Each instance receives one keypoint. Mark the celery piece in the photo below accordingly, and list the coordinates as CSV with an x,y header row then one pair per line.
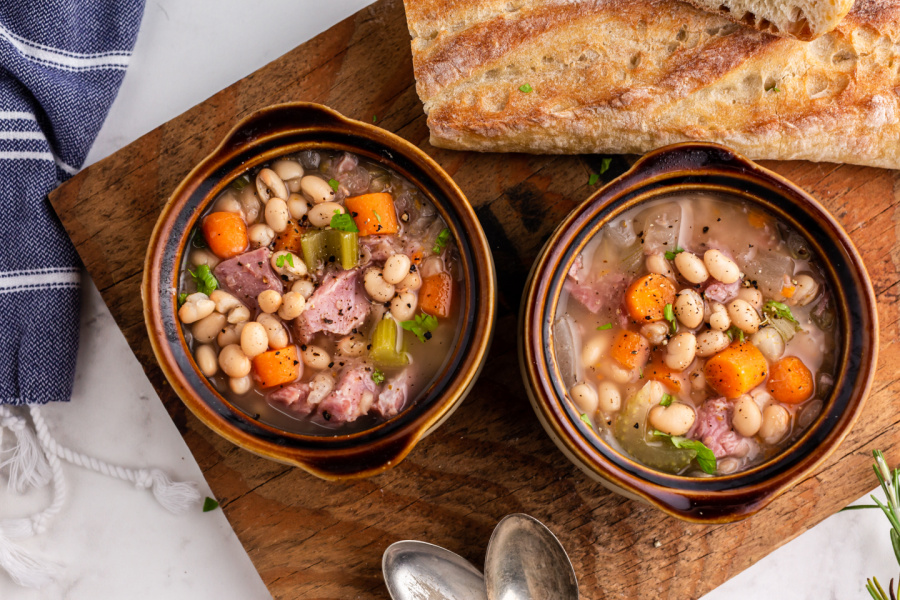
x,y
344,246
313,244
384,345
321,244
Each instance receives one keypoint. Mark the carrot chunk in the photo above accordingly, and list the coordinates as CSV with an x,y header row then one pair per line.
x,y
790,381
736,370
436,295
277,367
290,239
647,297
630,349
656,370
374,214
225,234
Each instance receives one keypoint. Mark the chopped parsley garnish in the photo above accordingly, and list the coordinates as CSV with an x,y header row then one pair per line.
x,y
526,88
604,327
441,241
210,504
422,326
593,179
780,310
669,316
670,255
343,222
667,400
705,457
378,376
374,118
205,280
285,258
604,165
334,183
377,216
775,89
734,333
586,419
182,298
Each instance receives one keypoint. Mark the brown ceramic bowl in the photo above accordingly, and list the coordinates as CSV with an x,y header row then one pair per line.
x,y
709,168
261,137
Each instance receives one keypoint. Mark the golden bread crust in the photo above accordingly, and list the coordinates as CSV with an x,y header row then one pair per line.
x,y
627,76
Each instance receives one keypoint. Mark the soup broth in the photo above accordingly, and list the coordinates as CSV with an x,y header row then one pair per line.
x,y
696,335
320,293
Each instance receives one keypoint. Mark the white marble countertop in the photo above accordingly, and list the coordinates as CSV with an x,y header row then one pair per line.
x,y
115,542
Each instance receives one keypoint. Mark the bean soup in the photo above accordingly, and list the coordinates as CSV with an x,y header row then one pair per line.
x,y
319,293
695,335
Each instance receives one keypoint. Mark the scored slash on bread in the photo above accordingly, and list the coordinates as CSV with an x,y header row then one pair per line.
x,y
801,19
629,76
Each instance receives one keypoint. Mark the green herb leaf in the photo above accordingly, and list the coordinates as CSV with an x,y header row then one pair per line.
x,y
210,504
593,179
334,183
604,165
421,326
734,333
586,419
378,376
374,118
667,400
285,258
526,88
377,216
182,298
343,222
704,456
205,280
781,311
605,326
240,183
669,316
775,89
441,241
671,255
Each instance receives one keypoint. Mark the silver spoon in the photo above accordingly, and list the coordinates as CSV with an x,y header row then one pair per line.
x,y
421,571
525,561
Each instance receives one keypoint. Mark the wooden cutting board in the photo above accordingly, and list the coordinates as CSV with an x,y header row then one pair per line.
x,y
312,539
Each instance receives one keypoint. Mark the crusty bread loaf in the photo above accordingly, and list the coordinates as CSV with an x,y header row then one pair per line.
x,y
800,19
628,76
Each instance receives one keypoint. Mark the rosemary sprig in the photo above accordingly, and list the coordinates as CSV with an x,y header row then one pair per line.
x,y
890,485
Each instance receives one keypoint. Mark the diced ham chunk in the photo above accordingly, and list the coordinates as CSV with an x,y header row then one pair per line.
x,y
714,430
293,398
604,293
394,395
381,247
248,275
338,306
346,403
722,292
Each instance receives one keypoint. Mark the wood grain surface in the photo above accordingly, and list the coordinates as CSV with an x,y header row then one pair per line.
x,y
313,539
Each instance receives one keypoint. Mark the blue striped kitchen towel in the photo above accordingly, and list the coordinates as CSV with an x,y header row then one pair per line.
x,y
61,64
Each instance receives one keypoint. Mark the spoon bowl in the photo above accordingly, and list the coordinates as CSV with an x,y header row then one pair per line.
x,y
420,571
525,561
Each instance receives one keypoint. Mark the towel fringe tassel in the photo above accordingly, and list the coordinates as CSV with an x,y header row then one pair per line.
x,y
35,463
27,467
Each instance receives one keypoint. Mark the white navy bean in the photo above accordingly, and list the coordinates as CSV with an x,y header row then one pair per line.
x,y
691,267
721,267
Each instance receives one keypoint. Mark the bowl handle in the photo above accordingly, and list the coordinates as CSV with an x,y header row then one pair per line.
x,y
284,118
